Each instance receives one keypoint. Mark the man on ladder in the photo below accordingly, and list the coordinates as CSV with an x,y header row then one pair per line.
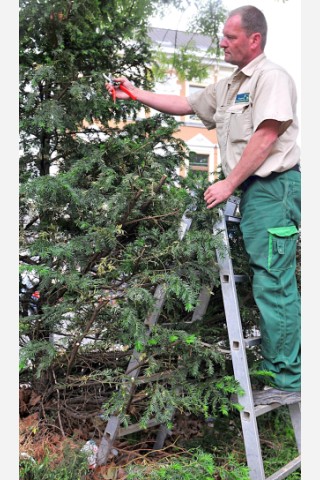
x,y
254,112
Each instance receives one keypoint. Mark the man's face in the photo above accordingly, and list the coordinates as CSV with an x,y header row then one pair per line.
x,y
238,47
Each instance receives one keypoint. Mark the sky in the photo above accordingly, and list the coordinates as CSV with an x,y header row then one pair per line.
x,y
284,31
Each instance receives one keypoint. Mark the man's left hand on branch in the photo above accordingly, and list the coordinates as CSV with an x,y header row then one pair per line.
x,y
218,192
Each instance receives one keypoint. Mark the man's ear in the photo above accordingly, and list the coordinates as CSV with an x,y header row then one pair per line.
x,y
255,39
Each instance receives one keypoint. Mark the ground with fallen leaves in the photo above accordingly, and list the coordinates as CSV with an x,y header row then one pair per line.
x,y
39,440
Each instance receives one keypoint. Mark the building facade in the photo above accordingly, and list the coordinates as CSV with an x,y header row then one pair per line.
x,y
200,141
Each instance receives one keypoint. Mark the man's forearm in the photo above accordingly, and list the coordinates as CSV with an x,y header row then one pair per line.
x,y
255,153
171,104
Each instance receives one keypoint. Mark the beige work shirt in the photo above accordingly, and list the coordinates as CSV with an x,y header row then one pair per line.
x,y
236,106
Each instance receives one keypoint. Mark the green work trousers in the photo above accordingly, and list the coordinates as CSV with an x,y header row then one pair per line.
x,y
270,219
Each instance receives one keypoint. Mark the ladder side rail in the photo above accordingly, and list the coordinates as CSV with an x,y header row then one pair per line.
x,y
202,305
240,366
238,355
285,471
295,414
133,369
233,319
113,425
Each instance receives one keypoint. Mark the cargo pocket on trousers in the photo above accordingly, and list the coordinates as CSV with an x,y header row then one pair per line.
x,y
282,247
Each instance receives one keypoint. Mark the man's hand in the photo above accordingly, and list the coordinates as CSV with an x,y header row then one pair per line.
x,y
166,103
217,193
119,93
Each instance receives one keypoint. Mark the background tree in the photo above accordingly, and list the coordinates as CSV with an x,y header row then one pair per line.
x,y
185,61
100,213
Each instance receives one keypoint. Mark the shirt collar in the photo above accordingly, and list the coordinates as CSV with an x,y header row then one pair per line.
x,y
250,68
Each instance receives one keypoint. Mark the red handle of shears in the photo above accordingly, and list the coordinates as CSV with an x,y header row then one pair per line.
x,y
124,89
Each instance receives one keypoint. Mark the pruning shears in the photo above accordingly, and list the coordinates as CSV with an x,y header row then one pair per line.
x,y
120,86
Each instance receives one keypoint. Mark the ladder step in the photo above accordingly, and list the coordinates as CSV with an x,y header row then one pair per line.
x,y
231,219
228,277
273,395
240,278
231,207
136,427
271,399
286,470
262,409
252,341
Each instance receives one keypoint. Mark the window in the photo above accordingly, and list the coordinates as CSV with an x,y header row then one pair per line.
x,y
198,160
199,165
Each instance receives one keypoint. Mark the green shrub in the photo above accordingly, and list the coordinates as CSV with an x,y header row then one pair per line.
x,y
73,466
192,465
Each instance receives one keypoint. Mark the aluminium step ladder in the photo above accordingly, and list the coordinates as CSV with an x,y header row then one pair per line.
x,y
113,429
238,346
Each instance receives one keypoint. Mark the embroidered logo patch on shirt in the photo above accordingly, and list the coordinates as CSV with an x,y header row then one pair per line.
x,y
242,97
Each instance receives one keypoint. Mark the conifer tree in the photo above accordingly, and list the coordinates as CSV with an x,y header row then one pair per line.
x,y
100,211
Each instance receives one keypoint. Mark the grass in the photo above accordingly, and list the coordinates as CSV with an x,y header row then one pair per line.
x,y
215,451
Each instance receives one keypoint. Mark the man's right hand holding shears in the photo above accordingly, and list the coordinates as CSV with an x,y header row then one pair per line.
x,y
119,88
122,89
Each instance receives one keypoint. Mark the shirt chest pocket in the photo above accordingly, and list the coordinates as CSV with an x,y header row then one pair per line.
x,y
240,122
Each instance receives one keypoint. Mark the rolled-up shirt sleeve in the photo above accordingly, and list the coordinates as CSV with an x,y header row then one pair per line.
x,y
203,104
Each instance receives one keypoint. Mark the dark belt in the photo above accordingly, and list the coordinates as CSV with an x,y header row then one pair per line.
x,y
250,180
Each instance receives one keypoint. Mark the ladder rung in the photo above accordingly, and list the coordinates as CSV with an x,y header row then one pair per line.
x,y
231,219
136,427
287,469
251,341
262,409
240,278
226,277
